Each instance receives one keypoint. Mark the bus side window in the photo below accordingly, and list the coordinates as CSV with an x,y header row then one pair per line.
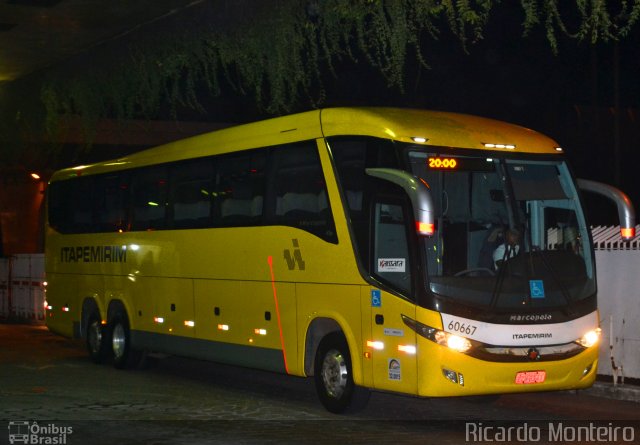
x,y
239,190
300,192
192,194
391,254
150,187
59,206
111,202
81,207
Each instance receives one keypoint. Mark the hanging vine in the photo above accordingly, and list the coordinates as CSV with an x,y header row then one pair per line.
x,y
277,53
597,20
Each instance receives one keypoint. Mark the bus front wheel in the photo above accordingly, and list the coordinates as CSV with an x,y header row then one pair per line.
x,y
124,356
334,377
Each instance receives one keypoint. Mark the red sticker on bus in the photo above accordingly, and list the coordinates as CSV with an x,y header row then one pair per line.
x,y
530,377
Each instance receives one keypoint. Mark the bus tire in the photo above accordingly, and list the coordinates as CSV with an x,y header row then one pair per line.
x,y
97,339
124,356
334,377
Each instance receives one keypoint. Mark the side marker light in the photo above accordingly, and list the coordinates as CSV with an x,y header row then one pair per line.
x,y
627,233
409,349
427,229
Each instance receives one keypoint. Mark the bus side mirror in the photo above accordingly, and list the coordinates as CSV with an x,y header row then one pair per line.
x,y
626,212
419,194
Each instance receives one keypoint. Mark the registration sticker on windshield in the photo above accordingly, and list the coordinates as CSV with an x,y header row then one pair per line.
x,y
391,264
530,377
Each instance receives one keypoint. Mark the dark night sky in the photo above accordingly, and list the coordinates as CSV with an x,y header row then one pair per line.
x,y
569,95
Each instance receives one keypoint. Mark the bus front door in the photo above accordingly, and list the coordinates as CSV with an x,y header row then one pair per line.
x,y
393,344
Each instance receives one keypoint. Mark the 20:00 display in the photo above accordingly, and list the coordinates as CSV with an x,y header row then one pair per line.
x,y
442,163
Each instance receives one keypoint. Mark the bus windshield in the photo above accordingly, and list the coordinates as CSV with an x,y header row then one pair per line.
x,y
509,232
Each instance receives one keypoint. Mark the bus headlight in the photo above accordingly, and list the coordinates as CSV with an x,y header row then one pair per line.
x,y
452,341
458,343
591,338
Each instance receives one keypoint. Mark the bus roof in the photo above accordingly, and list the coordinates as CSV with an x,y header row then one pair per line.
x,y
438,128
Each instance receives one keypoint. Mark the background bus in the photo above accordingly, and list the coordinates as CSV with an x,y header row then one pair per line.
x,y
352,245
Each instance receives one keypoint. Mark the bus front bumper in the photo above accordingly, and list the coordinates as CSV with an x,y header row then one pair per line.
x,y
445,372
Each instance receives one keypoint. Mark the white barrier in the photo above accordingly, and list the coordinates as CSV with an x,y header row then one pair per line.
x,y
4,288
22,287
619,304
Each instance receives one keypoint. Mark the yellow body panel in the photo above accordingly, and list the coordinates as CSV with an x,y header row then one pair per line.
x,y
394,369
194,274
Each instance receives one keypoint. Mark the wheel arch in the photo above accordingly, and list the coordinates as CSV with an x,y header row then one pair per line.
x,y
116,306
317,330
90,305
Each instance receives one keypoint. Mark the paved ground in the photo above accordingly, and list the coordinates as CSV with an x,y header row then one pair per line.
x,y
49,380
608,390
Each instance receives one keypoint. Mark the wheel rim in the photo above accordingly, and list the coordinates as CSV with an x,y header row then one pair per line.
x,y
119,341
334,373
95,337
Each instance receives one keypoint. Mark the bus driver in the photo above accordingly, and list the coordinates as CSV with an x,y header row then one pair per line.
x,y
508,249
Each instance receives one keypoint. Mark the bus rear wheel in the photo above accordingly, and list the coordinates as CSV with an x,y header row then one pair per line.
x,y
97,339
334,377
124,356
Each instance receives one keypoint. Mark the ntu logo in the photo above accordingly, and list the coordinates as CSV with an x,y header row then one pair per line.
x,y
296,258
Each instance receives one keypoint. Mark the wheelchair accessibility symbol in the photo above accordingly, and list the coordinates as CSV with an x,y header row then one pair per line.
x,y
376,299
536,287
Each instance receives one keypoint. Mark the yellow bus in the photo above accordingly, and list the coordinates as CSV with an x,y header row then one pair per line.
x,y
424,253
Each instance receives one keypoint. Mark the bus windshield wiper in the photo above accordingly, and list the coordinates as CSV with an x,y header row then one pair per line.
x,y
500,278
512,242
511,214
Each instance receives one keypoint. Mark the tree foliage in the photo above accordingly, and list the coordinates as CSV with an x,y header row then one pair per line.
x,y
279,52
585,20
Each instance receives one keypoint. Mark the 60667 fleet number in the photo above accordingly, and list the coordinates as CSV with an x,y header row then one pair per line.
x,y
462,328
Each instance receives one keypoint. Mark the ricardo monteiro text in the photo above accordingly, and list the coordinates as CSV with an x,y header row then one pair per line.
x,y
554,432
93,254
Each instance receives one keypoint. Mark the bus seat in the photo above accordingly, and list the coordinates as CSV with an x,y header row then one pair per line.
x,y
242,203
323,204
354,199
149,216
236,207
256,206
307,202
191,211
